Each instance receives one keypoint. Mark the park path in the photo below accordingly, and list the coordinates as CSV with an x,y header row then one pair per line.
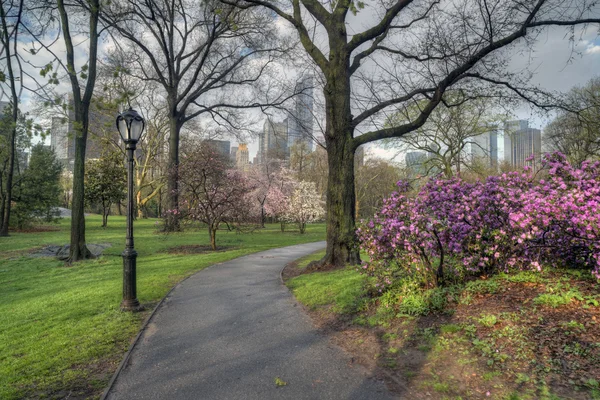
x,y
228,331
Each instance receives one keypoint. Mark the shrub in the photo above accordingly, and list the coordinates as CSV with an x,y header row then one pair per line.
x,y
452,228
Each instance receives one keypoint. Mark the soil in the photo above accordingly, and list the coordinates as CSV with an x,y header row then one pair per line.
x,y
198,249
529,349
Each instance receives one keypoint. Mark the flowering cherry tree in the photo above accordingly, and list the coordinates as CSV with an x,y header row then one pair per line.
x,y
305,205
210,192
511,221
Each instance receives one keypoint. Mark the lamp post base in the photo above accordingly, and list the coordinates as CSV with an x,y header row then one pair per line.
x,y
130,301
131,305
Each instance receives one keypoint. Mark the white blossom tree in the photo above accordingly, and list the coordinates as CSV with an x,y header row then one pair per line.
x,y
305,206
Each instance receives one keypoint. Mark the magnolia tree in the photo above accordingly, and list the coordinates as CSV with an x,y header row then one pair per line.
x,y
513,221
210,192
278,197
265,179
305,206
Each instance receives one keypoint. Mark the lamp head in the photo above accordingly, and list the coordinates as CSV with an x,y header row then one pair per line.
x,y
130,125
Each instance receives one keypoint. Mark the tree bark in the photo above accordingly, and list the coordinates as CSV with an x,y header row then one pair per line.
x,y
213,237
172,219
342,243
78,250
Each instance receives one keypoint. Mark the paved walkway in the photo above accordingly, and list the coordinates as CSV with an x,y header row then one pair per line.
x,y
229,331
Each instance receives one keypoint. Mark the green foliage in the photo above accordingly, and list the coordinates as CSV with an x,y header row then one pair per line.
x,y
105,182
487,320
38,192
558,295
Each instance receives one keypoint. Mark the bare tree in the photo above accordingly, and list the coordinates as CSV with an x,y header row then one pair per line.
x,y
577,134
199,53
413,52
375,180
452,136
53,22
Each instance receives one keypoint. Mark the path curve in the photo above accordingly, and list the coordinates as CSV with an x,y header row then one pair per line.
x,y
228,331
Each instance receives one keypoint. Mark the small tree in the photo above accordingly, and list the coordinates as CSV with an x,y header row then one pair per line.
x,y
38,192
278,198
305,206
105,182
210,191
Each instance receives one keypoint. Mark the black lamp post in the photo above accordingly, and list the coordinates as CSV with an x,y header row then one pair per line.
x,y
130,125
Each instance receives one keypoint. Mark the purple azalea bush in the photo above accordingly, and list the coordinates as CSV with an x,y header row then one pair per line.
x,y
515,221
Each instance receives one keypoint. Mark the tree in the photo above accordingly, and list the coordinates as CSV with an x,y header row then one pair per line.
x,y
305,206
414,52
66,21
265,178
196,52
449,134
375,180
105,182
21,134
277,202
577,134
209,191
38,192
11,13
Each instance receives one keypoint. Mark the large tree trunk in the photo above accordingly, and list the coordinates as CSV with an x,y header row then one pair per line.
x,y
342,246
172,219
79,250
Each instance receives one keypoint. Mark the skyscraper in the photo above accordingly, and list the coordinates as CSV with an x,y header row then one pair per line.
x,y
221,146
300,120
485,147
273,140
521,142
62,135
242,160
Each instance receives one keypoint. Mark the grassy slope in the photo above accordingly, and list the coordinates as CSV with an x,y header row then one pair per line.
x,y
61,331
523,336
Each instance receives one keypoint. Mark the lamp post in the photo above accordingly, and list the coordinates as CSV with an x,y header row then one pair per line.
x,y
130,125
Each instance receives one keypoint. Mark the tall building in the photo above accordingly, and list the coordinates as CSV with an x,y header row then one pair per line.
x,y
242,160
62,135
221,146
300,120
485,147
273,140
277,138
520,143
233,154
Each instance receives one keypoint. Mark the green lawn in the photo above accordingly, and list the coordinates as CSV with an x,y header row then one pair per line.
x,y
61,331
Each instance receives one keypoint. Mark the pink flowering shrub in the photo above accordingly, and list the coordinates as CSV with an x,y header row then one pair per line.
x,y
452,228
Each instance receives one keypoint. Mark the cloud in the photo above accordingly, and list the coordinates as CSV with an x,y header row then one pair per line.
x,y
592,49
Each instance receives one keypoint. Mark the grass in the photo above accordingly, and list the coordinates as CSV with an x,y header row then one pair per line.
x,y
62,331
343,289
304,261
